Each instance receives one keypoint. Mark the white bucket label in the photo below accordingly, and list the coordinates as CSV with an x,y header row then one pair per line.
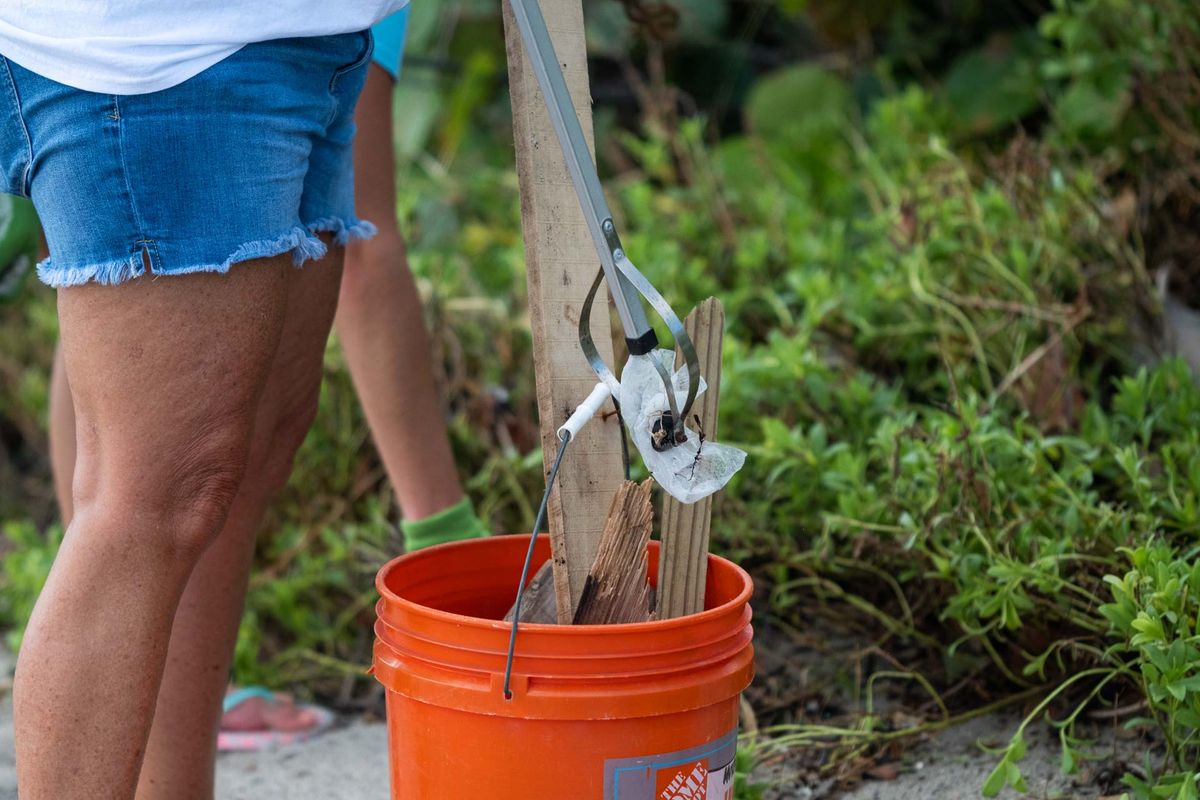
x,y
698,773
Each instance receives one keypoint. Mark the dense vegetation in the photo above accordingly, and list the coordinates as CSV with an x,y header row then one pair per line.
x,y
937,237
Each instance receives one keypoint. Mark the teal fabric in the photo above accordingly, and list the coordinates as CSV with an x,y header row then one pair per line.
x,y
389,42
454,524
239,696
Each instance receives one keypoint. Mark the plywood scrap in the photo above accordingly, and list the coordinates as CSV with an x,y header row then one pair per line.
x,y
538,600
683,559
617,589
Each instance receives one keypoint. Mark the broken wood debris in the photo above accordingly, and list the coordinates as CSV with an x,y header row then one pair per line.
x,y
617,589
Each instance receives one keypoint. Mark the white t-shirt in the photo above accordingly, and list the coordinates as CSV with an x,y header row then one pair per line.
x,y
138,46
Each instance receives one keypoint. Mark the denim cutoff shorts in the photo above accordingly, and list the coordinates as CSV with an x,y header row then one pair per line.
x,y
249,159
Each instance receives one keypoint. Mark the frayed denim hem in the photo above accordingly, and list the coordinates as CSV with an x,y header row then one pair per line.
x,y
298,241
107,273
358,230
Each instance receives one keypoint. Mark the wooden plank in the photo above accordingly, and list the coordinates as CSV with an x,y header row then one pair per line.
x,y
560,263
683,558
538,603
618,589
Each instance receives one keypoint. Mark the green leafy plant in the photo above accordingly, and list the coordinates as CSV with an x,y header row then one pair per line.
x,y
957,437
30,552
745,787
1154,610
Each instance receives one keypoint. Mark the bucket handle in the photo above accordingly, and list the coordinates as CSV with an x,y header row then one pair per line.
x,y
564,436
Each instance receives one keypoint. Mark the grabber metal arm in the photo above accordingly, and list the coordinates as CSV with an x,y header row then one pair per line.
x,y
627,284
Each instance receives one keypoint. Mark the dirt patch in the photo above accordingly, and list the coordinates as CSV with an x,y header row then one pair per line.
x,y
806,679
954,764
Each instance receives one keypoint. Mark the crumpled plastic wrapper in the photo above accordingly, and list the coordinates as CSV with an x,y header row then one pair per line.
x,y
677,470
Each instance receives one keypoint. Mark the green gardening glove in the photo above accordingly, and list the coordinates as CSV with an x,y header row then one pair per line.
x,y
454,524
18,243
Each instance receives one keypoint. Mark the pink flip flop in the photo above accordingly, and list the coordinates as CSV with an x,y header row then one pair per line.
x,y
230,741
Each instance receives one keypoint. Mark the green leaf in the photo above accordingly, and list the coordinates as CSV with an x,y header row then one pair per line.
x,y
1149,628
996,780
1087,112
1067,762
1016,748
798,105
1015,778
1121,615
995,85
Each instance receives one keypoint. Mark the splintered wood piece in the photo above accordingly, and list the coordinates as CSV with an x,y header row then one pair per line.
x,y
683,557
617,589
538,601
560,263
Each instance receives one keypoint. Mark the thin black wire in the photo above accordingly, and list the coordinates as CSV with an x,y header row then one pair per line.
x,y
624,440
537,526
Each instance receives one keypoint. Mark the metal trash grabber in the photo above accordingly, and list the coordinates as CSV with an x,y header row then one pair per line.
x,y
627,284
657,427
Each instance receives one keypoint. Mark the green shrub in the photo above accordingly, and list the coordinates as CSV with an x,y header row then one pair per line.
x,y
931,357
26,563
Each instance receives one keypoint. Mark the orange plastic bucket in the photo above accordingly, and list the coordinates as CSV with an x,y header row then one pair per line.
x,y
614,712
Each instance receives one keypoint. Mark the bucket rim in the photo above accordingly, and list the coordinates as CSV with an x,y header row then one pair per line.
x,y
387,596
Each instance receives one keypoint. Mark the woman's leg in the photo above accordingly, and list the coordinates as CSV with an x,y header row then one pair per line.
x,y
380,324
166,375
218,572
62,437
182,746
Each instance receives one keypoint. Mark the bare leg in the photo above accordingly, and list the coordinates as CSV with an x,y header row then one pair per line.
x,y
182,747
62,437
161,455
379,321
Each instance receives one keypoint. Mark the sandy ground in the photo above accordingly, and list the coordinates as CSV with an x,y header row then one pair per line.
x,y
346,764
350,763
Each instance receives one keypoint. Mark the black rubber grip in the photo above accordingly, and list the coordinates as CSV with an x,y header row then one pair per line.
x,y
642,344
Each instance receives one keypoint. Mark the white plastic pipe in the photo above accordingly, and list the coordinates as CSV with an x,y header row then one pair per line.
x,y
586,410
